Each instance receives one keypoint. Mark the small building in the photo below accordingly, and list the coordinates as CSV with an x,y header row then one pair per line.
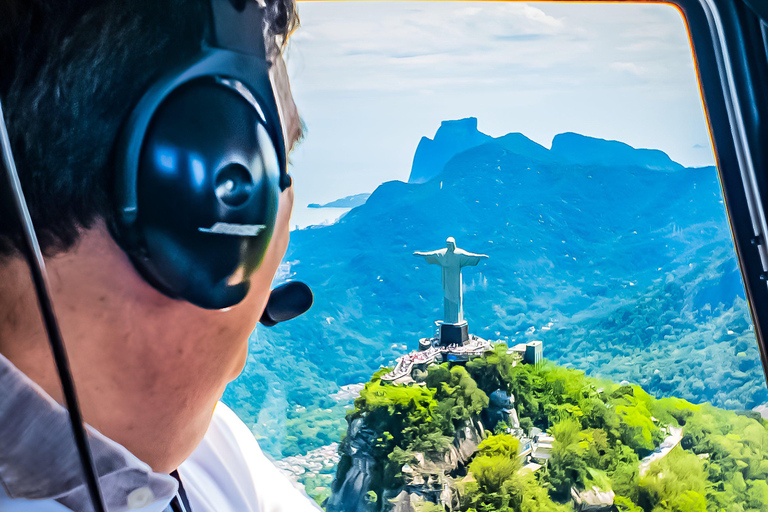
x,y
542,447
531,352
534,352
592,500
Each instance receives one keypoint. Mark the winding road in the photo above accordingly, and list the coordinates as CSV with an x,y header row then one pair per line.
x,y
666,446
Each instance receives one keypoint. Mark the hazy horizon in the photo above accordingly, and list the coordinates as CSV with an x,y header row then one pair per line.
x,y
371,78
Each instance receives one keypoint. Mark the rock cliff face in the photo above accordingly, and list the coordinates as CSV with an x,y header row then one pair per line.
x,y
357,469
451,138
358,484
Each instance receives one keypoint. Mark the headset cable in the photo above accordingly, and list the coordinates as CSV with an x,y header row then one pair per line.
x,y
36,264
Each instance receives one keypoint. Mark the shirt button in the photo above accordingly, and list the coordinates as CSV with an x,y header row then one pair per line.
x,y
140,497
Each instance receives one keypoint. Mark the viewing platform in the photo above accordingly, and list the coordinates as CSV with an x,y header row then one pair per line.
x,y
432,351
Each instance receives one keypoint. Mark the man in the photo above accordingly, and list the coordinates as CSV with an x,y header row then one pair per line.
x,y
148,369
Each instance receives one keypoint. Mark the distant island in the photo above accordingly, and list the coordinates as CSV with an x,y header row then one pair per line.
x,y
345,202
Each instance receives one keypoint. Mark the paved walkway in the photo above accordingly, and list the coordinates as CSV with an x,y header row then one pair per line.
x,y
672,440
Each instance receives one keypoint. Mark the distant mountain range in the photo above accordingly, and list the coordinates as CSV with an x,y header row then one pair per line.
x,y
454,137
619,259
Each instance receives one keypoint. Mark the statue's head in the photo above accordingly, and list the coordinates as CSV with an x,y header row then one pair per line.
x,y
450,243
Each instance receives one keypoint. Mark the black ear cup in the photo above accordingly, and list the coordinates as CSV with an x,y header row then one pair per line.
x,y
207,195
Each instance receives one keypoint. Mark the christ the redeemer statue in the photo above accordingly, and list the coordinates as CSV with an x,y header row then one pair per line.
x,y
452,259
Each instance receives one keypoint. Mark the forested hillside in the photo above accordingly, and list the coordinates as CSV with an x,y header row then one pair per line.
x,y
603,435
619,259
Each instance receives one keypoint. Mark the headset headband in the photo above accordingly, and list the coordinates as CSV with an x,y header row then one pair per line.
x,y
238,26
236,52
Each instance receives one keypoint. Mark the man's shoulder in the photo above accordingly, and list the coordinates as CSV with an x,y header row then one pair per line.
x,y
228,471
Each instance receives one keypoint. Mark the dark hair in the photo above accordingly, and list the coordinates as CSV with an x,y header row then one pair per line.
x,y
70,70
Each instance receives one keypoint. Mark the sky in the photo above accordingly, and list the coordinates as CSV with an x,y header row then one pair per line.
x,y
371,78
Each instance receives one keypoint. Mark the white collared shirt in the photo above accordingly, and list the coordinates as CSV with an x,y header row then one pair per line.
x,y
40,470
229,472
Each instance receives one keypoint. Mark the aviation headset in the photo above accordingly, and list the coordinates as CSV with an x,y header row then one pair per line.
x,y
199,165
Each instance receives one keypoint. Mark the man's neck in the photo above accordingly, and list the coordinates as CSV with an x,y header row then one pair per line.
x,y
119,364
148,369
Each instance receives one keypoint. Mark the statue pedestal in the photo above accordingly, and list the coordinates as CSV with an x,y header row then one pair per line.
x,y
451,334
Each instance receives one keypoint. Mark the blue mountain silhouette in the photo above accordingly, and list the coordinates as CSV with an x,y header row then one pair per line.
x,y
619,259
451,138
454,137
582,150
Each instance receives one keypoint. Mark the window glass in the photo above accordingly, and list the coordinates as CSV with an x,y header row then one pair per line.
x,y
608,355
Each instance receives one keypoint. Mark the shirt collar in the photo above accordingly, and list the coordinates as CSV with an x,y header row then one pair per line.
x,y
39,459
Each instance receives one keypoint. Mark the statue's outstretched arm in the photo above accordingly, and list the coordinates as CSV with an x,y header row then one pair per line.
x,y
430,256
469,259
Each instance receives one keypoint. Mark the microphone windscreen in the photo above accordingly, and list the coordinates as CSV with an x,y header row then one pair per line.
x,y
286,302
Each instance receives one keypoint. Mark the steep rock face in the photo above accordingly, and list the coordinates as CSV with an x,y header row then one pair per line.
x,y
429,479
355,477
451,138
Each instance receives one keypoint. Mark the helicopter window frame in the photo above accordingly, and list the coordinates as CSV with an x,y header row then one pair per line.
x,y
716,32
